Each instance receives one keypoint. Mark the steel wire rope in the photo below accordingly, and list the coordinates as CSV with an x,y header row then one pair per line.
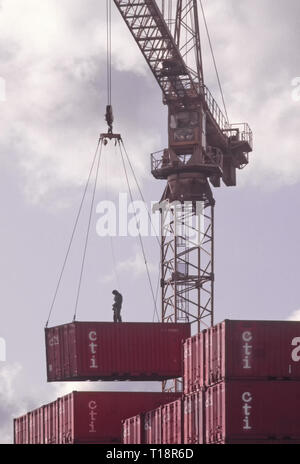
x,y
214,59
139,232
72,235
88,232
108,50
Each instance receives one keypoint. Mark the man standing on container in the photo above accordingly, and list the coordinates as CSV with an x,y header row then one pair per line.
x,y
117,306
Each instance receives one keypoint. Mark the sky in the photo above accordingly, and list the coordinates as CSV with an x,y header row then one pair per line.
x,y
52,105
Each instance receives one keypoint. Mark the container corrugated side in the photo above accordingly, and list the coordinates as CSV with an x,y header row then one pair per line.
x,y
153,427
194,363
21,430
36,427
193,418
133,430
51,423
172,425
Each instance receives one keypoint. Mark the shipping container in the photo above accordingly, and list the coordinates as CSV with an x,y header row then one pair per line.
x,y
107,351
254,349
193,418
133,430
241,350
252,411
88,417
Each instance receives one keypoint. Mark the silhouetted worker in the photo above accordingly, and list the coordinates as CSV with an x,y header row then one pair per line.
x,y
117,306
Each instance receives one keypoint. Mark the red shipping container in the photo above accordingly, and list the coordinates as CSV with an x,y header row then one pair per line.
x,y
254,349
107,351
133,429
252,411
92,417
172,426
242,350
153,427
193,418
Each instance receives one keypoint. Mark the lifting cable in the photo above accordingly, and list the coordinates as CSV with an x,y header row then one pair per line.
x,y
108,51
214,59
73,233
88,231
139,232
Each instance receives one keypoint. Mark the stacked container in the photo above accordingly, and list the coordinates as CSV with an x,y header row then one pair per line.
x,y
106,351
162,425
85,417
242,383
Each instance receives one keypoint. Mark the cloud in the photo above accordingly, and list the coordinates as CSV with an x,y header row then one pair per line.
x,y
295,316
133,266
55,73
17,398
13,401
257,68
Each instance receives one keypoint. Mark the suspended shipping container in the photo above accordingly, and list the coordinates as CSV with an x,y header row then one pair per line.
x,y
87,417
252,411
242,350
108,351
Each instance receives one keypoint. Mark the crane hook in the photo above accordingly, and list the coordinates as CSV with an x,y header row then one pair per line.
x,y
109,118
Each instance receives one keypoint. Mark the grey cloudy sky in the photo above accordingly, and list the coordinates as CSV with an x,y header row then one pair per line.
x,y
52,55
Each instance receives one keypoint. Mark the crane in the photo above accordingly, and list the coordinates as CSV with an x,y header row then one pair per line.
x,y
203,150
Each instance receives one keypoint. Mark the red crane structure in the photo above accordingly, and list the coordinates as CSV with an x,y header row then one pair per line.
x,y
204,148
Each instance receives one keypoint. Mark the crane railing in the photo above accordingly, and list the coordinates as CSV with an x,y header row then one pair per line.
x,y
215,110
212,157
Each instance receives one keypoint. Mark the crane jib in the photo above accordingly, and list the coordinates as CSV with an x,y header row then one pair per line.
x,y
153,37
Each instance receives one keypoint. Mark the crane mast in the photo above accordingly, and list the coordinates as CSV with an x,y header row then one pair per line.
x,y
203,150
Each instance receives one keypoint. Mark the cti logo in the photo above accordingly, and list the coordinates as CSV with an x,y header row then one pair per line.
x,y
92,416
296,351
247,399
247,349
93,349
